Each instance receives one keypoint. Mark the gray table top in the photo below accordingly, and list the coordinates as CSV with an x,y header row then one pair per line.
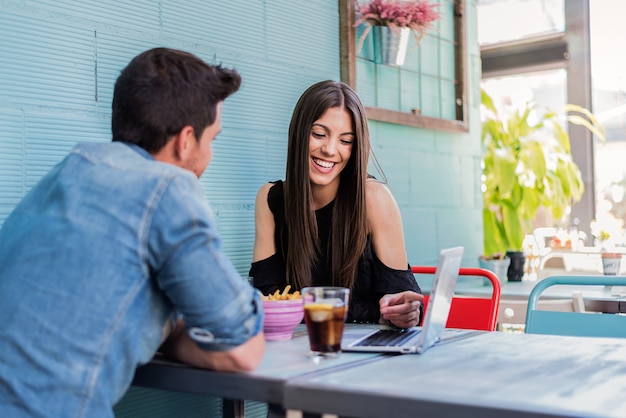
x,y
283,360
480,375
490,375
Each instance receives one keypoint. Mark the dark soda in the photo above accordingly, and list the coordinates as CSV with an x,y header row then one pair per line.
x,y
325,323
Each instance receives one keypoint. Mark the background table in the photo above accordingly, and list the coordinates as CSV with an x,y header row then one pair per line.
x,y
514,298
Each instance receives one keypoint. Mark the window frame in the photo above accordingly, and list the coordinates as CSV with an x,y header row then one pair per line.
x,y
347,51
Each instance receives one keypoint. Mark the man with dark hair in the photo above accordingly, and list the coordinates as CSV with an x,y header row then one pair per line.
x,y
115,253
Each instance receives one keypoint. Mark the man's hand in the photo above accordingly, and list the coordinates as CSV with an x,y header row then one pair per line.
x,y
245,357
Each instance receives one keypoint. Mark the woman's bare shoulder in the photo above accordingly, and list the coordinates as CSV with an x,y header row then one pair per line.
x,y
264,191
385,225
378,195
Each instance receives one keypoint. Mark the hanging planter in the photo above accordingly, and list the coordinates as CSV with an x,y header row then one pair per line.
x,y
390,48
392,21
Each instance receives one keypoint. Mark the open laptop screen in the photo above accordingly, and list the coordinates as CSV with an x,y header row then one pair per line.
x,y
418,340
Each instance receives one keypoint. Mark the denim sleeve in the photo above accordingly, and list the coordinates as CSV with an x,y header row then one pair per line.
x,y
221,309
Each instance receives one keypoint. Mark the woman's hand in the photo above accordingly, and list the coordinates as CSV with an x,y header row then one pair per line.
x,y
401,309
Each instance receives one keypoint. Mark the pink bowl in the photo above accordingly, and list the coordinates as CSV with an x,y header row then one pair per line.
x,y
281,318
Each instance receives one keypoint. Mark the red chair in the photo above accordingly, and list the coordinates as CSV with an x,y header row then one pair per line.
x,y
469,312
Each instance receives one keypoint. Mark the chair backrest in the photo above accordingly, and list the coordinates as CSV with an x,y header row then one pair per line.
x,y
590,324
478,313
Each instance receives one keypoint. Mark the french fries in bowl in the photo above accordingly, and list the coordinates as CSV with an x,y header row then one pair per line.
x,y
284,295
283,312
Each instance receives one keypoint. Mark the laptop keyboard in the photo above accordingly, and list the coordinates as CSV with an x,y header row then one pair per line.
x,y
388,337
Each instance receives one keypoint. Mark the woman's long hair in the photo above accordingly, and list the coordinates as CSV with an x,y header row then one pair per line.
x,y
349,229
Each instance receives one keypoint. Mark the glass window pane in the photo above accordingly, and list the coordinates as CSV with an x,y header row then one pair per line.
x,y
510,20
546,88
608,71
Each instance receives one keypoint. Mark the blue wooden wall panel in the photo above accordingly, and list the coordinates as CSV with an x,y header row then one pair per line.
x,y
12,166
388,87
402,136
431,97
135,15
59,60
234,25
237,222
276,157
431,191
421,234
268,94
50,136
233,175
446,184
410,93
445,27
309,42
447,58
366,81
448,102
412,60
58,72
429,55
393,162
435,178
454,226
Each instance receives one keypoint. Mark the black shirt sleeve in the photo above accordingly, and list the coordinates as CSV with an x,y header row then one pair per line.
x,y
268,274
375,280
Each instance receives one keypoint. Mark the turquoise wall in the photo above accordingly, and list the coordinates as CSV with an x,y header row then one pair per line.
x,y
59,60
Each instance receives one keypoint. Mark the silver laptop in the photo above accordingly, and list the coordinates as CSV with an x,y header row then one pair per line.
x,y
419,339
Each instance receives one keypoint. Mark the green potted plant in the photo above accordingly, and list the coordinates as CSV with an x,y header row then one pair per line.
x,y
526,164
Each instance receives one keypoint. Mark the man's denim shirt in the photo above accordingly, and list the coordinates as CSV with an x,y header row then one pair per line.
x,y
97,258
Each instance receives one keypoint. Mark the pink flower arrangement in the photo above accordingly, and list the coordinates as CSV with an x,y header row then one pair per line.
x,y
417,15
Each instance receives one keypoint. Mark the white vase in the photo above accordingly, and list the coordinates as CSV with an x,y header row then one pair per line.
x,y
390,47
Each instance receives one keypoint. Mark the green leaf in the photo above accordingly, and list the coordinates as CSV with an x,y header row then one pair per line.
x,y
493,242
534,160
513,228
593,124
504,165
562,138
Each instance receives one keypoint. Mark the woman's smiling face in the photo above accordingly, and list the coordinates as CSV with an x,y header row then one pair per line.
x,y
330,146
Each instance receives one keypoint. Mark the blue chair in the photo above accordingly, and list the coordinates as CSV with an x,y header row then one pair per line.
x,y
574,323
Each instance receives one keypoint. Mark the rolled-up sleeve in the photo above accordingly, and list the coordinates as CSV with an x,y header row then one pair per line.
x,y
220,308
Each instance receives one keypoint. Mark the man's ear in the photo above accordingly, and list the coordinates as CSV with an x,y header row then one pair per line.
x,y
184,143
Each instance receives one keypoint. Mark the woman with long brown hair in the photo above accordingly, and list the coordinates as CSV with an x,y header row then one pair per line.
x,y
329,222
